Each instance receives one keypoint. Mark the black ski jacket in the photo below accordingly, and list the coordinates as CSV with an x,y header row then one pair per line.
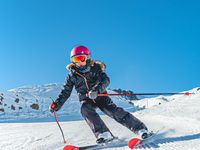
x,y
94,79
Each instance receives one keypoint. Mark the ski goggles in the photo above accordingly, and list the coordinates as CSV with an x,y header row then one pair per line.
x,y
79,58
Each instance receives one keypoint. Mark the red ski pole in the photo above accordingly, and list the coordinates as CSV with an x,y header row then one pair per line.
x,y
55,117
59,127
67,147
129,94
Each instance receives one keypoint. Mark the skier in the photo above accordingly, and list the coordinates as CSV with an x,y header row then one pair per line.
x,y
89,79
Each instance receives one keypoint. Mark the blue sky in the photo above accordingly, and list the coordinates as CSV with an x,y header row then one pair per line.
x,y
148,46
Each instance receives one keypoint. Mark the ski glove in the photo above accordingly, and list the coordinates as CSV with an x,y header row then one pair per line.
x,y
54,107
92,94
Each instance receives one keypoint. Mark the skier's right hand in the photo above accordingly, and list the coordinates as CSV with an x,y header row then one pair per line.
x,y
93,94
54,107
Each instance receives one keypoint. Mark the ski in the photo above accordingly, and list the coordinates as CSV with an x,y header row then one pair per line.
x,y
136,142
116,142
132,143
112,144
71,147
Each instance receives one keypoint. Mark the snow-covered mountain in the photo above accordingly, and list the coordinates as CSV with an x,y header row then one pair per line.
x,y
29,103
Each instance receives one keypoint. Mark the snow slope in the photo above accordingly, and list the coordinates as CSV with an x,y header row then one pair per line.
x,y
178,118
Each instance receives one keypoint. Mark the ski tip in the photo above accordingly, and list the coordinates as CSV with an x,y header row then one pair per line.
x,y
70,147
133,142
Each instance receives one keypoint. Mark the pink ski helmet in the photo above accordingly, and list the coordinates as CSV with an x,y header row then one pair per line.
x,y
80,50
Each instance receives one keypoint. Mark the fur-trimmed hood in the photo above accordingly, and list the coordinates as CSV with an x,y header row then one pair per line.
x,y
91,63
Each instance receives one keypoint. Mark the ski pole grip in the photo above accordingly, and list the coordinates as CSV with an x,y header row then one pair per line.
x,y
53,106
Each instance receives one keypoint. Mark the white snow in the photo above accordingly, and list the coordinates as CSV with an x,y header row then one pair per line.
x,y
178,118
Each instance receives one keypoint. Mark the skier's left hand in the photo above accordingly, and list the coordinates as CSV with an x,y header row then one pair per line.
x,y
92,94
54,107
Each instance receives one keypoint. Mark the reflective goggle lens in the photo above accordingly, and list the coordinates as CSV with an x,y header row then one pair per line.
x,y
81,58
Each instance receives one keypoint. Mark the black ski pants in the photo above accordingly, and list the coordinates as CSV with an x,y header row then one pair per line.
x,y
106,105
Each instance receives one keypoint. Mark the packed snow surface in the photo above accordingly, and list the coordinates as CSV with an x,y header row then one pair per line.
x,y
176,117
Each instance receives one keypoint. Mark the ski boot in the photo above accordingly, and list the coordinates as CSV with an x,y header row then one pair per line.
x,y
144,134
104,137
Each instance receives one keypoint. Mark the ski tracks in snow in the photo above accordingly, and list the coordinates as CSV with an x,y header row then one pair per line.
x,y
166,146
